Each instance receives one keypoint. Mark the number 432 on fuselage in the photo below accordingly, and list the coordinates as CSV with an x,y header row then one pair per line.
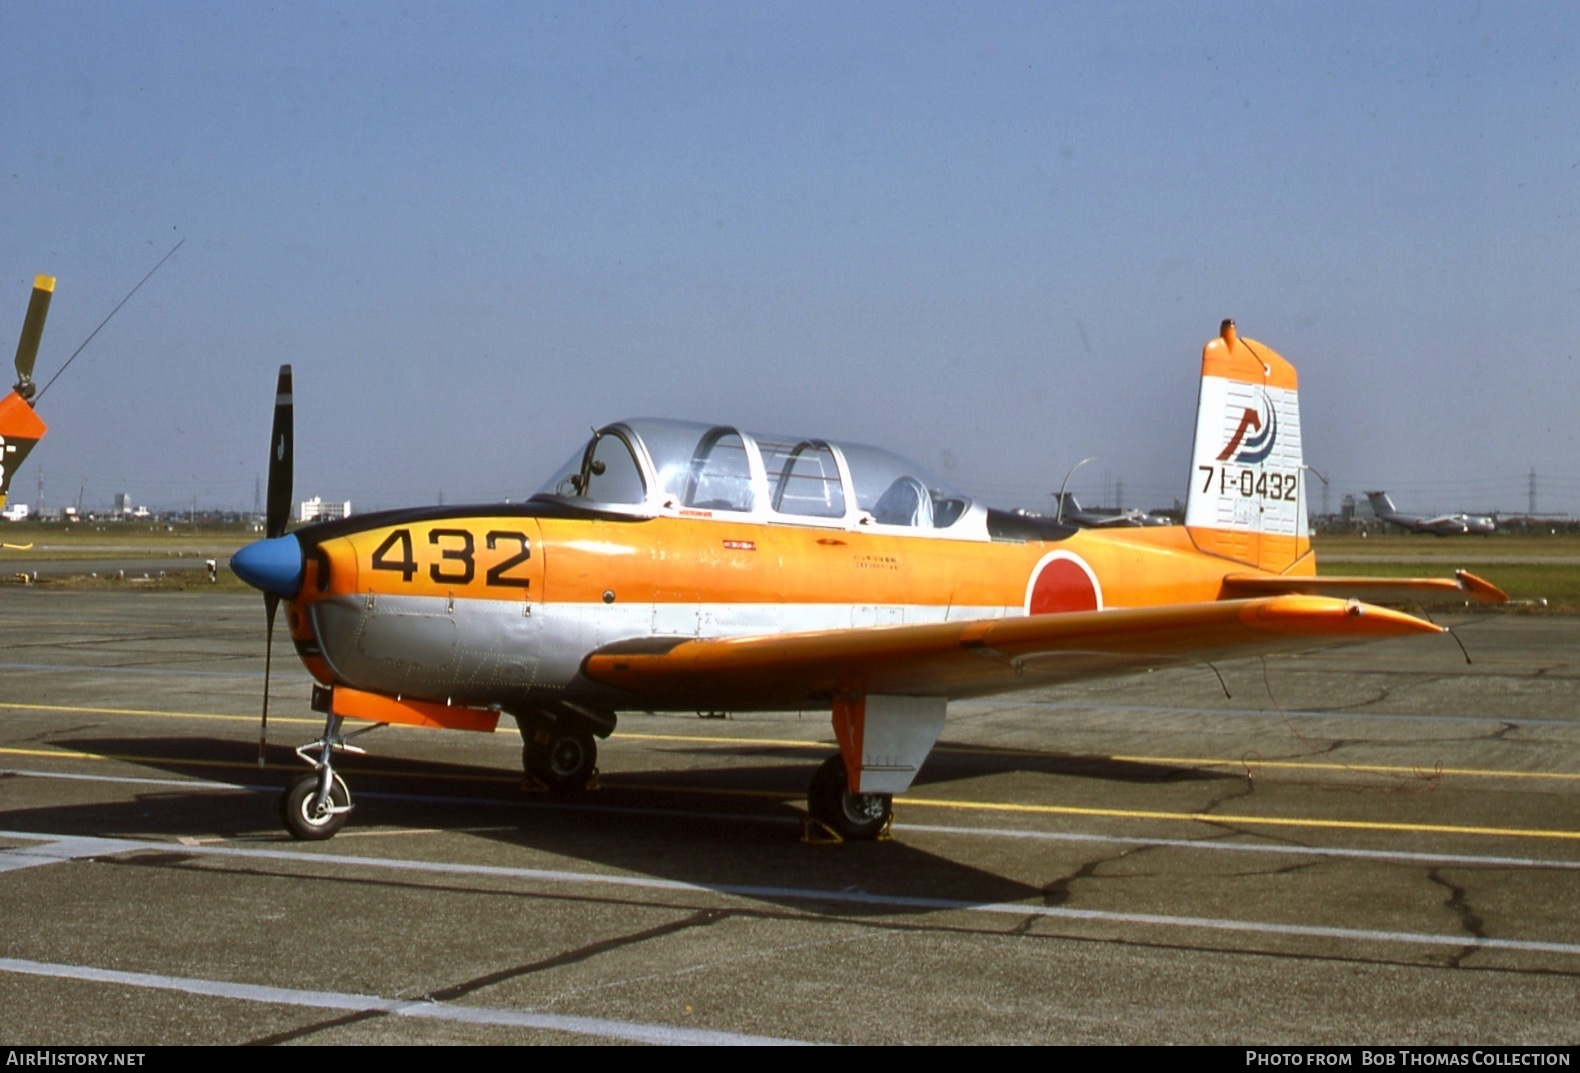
x,y
677,566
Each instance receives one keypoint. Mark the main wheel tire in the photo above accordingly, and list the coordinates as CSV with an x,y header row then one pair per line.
x,y
562,759
854,817
296,808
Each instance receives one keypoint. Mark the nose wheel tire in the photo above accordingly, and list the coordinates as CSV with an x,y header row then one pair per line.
x,y
561,759
853,817
314,824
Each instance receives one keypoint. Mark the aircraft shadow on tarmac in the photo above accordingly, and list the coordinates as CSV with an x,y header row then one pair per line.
x,y
951,761
696,826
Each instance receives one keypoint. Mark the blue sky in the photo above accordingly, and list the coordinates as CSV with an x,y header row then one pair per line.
x,y
993,238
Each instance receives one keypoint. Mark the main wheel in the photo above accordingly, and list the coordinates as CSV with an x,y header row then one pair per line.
x,y
854,817
296,808
560,757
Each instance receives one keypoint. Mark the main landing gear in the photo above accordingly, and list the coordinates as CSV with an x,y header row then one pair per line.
x,y
315,805
560,758
837,815
560,754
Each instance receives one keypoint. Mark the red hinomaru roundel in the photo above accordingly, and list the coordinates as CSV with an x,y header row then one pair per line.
x,y
1062,582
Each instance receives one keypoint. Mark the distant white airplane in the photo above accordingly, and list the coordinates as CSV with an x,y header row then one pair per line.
x,y
1442,525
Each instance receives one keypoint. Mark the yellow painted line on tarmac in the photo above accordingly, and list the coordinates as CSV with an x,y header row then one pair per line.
x,y
75,709
793,743
1193,761
134,758
249,765
698,739
906,802
1384,769
1265,821
55,754
710,791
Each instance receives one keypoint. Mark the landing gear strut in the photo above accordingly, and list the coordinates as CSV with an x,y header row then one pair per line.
x,y
846,816
315,804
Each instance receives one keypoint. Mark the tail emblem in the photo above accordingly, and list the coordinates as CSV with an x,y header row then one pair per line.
x,y
1257,447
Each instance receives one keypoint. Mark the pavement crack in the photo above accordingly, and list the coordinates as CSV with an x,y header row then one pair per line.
x,y
700,919
1459,902
1057,892
1381,695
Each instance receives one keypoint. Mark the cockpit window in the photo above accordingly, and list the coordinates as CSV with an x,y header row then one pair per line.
x,y
803,478
720,477
613,476
673,465
605,472
896,491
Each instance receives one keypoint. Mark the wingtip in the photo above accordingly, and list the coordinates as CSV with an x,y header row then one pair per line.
x,y
1328,614
1480,589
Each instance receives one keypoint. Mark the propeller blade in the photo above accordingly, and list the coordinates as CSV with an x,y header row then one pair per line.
x,y
271,602
32,333
281,449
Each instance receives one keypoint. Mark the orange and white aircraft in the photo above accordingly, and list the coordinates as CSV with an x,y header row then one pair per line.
x,y
20,427
677,566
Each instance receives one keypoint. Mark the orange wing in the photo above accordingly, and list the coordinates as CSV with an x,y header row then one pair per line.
x,y
963,659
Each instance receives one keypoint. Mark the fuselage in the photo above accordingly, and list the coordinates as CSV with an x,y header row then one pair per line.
x,y
501,606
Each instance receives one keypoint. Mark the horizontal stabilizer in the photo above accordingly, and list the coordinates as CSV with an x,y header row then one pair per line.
x,y
983,656
1393,591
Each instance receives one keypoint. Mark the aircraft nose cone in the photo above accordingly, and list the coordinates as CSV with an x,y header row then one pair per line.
x,y
274,566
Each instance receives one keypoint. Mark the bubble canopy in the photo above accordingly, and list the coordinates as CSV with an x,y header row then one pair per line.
x,y
653,466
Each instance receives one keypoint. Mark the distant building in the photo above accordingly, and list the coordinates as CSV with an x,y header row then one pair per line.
x,y
15,512
316,510
123,503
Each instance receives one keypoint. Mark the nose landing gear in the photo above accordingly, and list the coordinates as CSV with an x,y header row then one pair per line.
x,y
316,804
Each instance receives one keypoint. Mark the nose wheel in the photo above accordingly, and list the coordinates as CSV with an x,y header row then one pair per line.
x,y
311,814
316,804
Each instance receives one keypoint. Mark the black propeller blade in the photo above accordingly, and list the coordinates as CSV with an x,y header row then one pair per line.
x,y
280,458
32,332
281,462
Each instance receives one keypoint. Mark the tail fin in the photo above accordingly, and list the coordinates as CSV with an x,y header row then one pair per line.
x,y
1382,505
20,429
1247,499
